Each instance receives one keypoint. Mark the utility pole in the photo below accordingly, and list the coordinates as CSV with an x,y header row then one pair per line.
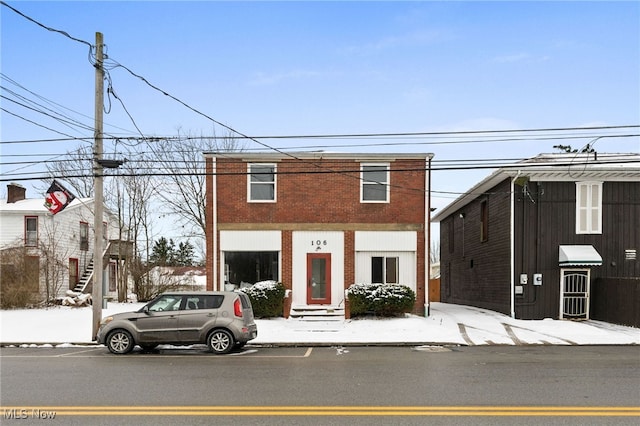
x,y
98,196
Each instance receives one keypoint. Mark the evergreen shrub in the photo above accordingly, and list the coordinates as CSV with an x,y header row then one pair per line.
x,y
267,298
380,299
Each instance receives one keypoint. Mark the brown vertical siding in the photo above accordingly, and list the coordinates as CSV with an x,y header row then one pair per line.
x,y
545,219
616,300
477,272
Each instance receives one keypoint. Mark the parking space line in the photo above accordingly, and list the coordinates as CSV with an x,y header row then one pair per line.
x,y
79,354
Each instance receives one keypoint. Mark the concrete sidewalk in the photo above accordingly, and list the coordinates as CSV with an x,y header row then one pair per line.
x,y
447,324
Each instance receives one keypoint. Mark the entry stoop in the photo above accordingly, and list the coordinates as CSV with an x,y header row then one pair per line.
x,y
317,313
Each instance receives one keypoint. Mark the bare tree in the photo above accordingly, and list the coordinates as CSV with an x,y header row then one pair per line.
x,y
183,188
133,194
19,277
75,168
53,257
434,253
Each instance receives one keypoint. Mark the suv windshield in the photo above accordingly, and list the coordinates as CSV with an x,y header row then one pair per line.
x,y
166,303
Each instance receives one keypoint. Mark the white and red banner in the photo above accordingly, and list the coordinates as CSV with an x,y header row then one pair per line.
x,y
57,198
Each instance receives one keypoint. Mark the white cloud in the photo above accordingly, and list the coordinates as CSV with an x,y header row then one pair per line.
x,y
269,79
520,57
416,38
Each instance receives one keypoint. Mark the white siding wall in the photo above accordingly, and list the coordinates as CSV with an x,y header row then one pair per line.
x,y
307,242
250,241
63,228
406,266
12,230
400,244
386,240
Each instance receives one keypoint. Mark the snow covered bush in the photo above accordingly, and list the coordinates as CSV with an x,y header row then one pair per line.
x,y
380,299
267,298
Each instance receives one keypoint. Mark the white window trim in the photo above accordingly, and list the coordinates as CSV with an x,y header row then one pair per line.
x,y
384,269
28,235
275,182
363,183
590,208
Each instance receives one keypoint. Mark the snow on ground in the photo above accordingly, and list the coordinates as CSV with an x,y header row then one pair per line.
x,y
446,324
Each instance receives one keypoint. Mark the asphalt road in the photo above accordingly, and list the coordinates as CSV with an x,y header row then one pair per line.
x,y
323,385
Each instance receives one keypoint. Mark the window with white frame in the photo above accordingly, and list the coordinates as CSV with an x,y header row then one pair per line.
x,y
374,186
84,236
262,183
31,231
384,270
588,207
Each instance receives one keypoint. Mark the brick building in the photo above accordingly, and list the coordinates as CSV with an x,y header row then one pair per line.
x,y
318,222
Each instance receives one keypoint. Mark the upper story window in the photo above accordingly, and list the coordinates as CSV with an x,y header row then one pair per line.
x,y
84,236
374,186
262,183
31,231
484,221
588,207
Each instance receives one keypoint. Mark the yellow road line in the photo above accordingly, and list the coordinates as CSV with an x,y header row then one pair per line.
x,y
534,411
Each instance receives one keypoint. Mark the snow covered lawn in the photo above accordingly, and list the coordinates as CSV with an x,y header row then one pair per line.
x,y
447,324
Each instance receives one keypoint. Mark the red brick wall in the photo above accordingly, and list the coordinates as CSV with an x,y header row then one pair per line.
x,y
307,193
209,223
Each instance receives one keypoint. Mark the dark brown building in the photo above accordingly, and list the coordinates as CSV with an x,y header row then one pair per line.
x,y
555,236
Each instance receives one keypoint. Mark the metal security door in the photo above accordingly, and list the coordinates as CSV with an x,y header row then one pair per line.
x,y
574,293
318,278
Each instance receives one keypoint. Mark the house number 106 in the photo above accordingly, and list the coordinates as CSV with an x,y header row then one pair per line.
x,y
319,243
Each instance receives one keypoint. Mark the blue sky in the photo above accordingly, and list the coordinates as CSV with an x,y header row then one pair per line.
x,y
292,68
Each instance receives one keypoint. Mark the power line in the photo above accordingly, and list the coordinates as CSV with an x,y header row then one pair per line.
x,y
64,33
51,102
407,135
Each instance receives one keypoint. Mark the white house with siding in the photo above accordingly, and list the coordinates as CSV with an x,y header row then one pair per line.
x,y
60,247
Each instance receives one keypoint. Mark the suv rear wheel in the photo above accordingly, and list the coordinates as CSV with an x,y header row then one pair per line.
x,y
220,341
120,342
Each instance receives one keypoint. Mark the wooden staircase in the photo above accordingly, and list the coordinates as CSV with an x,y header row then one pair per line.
x,y
85,280
87,276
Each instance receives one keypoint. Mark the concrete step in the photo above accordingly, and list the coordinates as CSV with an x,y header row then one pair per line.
x,y
317,313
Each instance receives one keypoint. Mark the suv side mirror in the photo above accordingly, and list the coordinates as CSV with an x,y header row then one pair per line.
x,y
145,309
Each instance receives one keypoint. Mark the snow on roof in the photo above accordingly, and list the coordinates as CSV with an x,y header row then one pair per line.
x,y
36,205
554,167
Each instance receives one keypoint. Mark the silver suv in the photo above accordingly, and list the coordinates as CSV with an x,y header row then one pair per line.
x,y
223,320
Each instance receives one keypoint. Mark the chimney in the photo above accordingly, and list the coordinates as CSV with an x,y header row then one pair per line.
x,y
15,193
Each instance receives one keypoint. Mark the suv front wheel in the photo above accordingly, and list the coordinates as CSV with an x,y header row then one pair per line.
x,y
120,342
220,341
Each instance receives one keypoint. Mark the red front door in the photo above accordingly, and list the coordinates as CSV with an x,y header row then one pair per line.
x,y
318,278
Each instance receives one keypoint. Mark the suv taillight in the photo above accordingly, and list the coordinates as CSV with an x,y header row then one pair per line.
x,y
237,308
